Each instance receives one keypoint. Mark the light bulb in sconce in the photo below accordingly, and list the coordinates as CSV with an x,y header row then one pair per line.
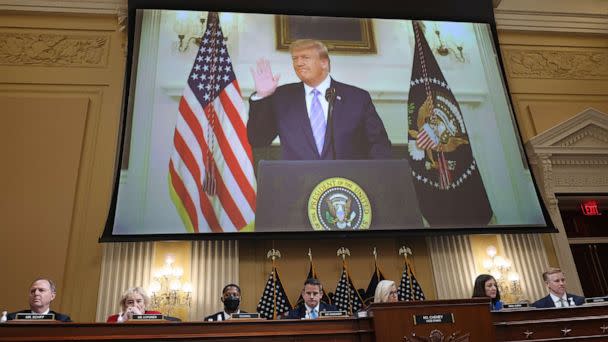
x,y
187,288
154,287
488,264
513,276
491,251
175,285
169,259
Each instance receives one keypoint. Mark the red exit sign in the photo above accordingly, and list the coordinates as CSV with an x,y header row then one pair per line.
x,y
590,208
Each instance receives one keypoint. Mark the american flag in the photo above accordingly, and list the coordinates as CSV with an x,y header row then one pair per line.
x,y
409,288
211,177
274,301
346,296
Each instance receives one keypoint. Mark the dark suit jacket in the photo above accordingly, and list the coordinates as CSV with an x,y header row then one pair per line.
x,y
300,311
547,302
358,130
215,317
58,316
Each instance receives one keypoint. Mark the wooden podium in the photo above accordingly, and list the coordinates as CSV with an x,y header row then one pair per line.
x,y
445,320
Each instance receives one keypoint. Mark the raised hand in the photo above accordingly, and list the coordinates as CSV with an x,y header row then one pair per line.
x,y
265,82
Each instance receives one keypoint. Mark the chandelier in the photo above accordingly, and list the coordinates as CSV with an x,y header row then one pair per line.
x,y
507,279
169,294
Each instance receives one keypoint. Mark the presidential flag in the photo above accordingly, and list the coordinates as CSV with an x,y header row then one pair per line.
x,y
346,296
445,173
211,178
274,301
409,288
377,276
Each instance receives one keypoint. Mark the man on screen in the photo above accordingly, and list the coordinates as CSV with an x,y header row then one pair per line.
x,y
299,112
42,293
555,280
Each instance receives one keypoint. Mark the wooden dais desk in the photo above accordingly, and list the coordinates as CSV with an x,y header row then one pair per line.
x,y
587,322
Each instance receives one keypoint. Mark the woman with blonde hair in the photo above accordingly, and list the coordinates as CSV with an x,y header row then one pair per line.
x,y
386,292
133,302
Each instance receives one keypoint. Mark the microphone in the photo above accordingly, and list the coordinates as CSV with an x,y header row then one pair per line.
x,y
330,96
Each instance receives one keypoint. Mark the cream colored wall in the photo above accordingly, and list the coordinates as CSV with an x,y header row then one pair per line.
x,y
61,80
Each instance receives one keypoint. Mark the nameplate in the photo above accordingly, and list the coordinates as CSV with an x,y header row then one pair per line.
x,y
35,317
434,318
515,306
596,299
241,315
148,317
338,313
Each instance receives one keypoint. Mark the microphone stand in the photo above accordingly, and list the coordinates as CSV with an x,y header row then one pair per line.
x,y
330,96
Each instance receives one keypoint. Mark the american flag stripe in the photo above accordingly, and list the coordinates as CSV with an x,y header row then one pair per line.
x,y
233,104
225,197
225,133
190,172
187,209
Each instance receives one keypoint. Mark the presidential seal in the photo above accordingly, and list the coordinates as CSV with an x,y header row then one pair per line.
x,y
339,204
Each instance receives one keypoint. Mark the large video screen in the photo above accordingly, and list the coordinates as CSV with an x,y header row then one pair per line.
x,y
246,123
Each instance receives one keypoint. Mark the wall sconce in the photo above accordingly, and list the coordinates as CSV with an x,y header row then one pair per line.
x,y
168,291
449,46
500,268
190,28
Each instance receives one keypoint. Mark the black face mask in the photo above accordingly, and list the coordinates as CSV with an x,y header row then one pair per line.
x,y
231,303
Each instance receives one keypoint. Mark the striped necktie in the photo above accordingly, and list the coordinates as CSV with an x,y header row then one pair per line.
x,y
317,121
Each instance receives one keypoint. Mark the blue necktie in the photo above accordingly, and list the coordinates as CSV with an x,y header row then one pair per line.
x,y
317,121
313,314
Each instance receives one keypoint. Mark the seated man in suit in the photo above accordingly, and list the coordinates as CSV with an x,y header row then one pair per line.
x,y
555,280
299,112
42,293
312,294
231,297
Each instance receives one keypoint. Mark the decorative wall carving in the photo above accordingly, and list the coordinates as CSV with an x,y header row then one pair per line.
x,y
580,180
557,64
590,131
51,49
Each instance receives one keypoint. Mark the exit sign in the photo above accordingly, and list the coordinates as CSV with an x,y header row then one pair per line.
x,y
590,208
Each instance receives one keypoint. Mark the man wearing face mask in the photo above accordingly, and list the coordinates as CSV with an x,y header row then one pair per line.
x,y
231,297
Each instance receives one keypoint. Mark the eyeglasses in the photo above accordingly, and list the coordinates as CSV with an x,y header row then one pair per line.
x,y
392,293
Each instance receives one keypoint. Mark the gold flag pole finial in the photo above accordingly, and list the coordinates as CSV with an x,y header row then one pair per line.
x,y
310,255
405,251
375,253
343,252
273,254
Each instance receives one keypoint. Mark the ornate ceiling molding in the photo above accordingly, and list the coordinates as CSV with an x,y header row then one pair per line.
x,y
516,20
66,6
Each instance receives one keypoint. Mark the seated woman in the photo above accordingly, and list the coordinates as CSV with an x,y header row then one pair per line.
x,y
133,302
486,286
386,292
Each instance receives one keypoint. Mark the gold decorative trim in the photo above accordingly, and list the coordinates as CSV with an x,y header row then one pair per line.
x,y
575,65
50,49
